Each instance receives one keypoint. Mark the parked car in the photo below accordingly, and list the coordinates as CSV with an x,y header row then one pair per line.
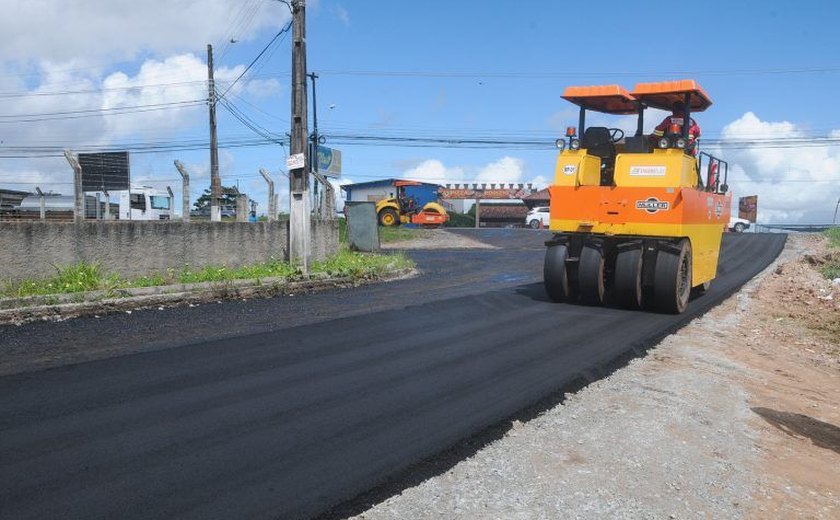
x,y
738,225
537,218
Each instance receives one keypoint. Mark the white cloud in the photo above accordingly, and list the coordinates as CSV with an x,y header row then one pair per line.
x,y
434,171
95,29
155,85
790,182
342,14
506,170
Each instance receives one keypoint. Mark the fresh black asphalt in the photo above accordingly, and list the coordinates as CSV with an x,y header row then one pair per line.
x,y
278,411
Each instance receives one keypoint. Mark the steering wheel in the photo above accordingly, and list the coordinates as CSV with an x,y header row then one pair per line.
x,y
616,134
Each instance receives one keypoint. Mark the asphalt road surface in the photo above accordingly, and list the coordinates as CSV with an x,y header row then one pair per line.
x,y
283,408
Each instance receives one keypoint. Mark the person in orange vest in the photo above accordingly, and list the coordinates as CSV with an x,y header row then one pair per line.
x,y
677,117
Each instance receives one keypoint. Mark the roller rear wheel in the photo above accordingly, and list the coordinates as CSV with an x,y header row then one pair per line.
x,y
591,276
555,275
388,217
672,281
628,278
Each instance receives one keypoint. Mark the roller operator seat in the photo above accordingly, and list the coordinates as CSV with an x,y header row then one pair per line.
x,y
598,142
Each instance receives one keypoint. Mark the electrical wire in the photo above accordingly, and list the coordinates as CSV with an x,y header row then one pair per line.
x,y
269,44
75,114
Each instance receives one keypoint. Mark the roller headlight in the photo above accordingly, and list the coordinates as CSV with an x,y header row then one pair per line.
x,y
663,142
574,144
680,142
560,144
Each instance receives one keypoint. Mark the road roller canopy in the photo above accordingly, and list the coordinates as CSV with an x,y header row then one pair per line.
x,y
610,99
664,94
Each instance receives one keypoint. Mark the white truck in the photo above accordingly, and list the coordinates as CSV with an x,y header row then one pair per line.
x,y
145,203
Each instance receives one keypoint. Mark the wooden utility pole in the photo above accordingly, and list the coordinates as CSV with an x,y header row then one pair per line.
x,y
215,182
299,212
272,209
185,191
79,206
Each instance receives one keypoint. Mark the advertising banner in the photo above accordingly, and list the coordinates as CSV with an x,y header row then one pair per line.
x,y
748,207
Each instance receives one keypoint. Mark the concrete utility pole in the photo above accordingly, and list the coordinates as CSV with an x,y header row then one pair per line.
x,y
215,182
834,220
326,203
272,209
185,191
79,206
313,146
299,213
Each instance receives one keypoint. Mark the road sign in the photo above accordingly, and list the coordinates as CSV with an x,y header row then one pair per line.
x,y
295,161
105,171
329,162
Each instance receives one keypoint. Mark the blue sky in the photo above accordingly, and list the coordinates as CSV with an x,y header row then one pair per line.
x,y
431,69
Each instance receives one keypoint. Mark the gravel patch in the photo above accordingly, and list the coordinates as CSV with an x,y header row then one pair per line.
x,y
439,239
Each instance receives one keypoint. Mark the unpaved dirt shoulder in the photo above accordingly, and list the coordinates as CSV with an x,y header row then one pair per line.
x,y
724,419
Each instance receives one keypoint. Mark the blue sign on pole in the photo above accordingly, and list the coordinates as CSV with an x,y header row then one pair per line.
x,y
329,161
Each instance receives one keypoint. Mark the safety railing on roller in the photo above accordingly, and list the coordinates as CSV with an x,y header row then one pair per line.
x,y
717,173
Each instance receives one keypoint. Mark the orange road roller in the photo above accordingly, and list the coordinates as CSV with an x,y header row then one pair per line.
x,y
637,220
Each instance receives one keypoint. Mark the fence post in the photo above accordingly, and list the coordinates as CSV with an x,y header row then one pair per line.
x,y
272,201
185,195
43,203
241,207
79,206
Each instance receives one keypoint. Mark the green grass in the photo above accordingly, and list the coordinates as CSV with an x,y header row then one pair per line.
x,y
400,233
70,279
386,234
342,231
361,265
91,277
833,235
460,220
831,269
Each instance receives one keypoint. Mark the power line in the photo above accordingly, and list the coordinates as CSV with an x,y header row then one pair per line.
x,y
74,114
566,74
22,94
269,44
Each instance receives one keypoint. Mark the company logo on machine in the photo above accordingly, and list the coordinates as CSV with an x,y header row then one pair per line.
x,y
648,171
569,169
719,209
653,205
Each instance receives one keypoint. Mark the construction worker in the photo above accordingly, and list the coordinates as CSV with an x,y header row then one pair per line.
x,y
677,117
